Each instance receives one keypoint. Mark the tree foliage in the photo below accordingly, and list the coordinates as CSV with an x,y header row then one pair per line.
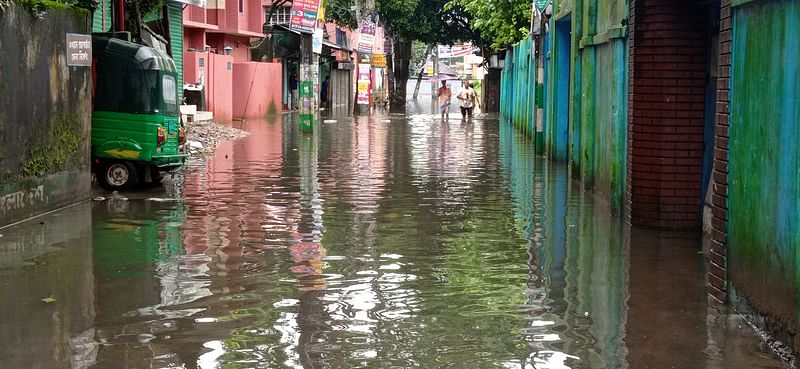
x,y
502,22
428,21
419,55
341,12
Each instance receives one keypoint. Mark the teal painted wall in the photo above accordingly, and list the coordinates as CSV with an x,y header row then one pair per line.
x,y
175,13
518,87
597,113
175,21
764,160
101,18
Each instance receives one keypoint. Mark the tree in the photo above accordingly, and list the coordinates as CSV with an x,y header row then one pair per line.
x,y
502,22
427,21
419,57
341,13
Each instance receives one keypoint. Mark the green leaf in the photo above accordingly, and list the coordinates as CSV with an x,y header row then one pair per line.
x,y
49,300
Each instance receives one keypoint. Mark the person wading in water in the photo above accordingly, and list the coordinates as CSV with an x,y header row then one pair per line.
x,y
467,98
444,100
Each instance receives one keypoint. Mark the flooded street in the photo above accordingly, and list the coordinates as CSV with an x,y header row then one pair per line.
x,y
376,242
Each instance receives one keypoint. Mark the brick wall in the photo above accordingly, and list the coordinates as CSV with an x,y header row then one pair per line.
x,y
668,52
717,273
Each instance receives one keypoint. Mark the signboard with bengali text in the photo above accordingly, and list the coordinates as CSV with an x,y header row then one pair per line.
x,y
304,15
316,41
455,51
366,39
379,60
79,50
363,84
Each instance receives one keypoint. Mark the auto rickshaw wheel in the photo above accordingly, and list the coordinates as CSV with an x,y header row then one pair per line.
x,y
117,175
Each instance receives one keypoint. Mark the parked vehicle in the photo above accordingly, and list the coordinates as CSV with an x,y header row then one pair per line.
x,y
137,132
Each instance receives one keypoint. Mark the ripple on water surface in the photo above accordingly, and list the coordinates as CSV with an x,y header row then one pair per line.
x,y
386,242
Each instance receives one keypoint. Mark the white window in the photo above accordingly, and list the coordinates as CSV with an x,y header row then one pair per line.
x,y
282,15
170,90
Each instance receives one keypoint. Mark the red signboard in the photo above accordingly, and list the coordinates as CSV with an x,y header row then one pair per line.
x,y
304,15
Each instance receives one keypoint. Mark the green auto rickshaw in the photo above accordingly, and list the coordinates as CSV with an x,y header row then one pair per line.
x,y
137,131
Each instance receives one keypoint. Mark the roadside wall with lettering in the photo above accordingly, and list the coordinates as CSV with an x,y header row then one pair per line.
x,y
45,113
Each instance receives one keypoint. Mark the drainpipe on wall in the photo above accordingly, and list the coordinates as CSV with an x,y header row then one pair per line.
x,y
120,12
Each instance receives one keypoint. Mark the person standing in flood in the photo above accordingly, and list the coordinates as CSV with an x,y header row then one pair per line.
x,y
294,86
467,99
323,92
444,100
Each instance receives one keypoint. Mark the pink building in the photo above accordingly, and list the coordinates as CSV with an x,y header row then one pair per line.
x,y
217,57
224,24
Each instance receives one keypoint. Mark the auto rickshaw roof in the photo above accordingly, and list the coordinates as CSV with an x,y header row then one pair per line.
x,y
144,57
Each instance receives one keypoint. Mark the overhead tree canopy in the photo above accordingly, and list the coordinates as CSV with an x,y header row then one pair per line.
x,y
428,21
502,22
341,12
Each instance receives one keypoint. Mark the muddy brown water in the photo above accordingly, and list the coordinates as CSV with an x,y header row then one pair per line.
x,y
377,242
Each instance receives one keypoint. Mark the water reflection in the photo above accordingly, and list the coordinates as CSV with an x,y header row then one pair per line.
x,y
380,242
49,257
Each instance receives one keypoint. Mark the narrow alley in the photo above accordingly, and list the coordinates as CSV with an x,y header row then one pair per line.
x,y
387,241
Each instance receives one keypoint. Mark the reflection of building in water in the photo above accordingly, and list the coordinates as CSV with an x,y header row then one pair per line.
x,y
48,259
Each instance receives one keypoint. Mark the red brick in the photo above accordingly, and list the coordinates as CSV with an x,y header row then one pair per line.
x,y
716,258
720,213
720,178
718,248
719,236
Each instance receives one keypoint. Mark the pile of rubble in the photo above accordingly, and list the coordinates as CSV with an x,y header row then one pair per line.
x,y
204,136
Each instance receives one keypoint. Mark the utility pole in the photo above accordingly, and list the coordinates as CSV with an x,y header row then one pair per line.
x,y
362,64
309,82
434,87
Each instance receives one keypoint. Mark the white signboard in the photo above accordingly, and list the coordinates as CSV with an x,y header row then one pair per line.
x,y
316,41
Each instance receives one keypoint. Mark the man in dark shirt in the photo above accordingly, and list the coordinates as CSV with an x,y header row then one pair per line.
x,y
323,93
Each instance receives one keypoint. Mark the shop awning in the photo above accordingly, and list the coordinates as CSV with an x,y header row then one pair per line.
x,y
325,43
332,45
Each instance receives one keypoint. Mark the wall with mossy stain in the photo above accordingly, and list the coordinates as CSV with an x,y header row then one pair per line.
x,y
764,163
586,86
46,112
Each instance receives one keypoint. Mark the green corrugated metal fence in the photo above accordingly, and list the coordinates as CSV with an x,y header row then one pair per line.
x,y
518,87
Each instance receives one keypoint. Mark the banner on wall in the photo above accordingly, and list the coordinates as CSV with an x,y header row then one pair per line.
x,y
304,15
363,84
379,60
316,41
456,51
366,38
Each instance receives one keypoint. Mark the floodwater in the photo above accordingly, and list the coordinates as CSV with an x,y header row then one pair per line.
x,y
379,242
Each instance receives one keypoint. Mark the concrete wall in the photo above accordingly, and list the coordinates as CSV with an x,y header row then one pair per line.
x,y
763,204
256,89
217,76
45,121
490,89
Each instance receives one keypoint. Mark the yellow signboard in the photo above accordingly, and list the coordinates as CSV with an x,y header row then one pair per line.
x,y
379,60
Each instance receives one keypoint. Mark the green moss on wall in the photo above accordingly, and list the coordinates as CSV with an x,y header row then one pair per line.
x,y
61,145
272,109
39,8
